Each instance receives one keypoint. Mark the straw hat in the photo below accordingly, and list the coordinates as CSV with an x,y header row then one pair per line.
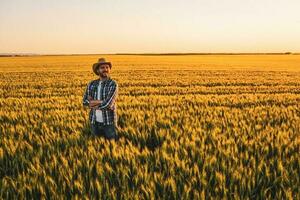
x,y
101,61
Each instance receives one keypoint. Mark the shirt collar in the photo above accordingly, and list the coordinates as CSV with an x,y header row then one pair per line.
x,y
103,81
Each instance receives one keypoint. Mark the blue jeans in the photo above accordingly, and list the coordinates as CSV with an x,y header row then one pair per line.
x,y
107,131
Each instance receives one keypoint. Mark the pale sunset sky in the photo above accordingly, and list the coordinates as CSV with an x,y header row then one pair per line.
x,y
149,26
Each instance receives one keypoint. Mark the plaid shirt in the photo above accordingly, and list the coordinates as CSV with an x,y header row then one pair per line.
x,y
108,94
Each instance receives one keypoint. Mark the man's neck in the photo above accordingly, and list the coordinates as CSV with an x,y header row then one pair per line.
x,y
103,78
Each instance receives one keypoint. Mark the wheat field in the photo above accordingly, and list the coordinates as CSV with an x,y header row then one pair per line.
x,y
190,127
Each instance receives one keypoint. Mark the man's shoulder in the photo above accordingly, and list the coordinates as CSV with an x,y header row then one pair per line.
x,y
112,82
92,82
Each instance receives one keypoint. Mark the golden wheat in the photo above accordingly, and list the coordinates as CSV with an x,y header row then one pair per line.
x,y
191,127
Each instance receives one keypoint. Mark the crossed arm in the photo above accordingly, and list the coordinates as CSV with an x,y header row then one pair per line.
x,y
93,104
104,104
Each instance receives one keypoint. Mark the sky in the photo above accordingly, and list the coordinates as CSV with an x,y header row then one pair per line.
x,y
149,26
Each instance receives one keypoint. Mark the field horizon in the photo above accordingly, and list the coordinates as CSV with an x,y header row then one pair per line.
x,y
151,54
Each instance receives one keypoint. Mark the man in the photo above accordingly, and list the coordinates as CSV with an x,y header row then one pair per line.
x,y
100,96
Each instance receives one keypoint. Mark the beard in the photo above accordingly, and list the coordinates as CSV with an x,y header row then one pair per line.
x,y
103,74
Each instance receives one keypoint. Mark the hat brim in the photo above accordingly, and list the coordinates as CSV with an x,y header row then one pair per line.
x,y
96,65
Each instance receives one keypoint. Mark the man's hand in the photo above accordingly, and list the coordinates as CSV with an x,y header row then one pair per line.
x,y
94,103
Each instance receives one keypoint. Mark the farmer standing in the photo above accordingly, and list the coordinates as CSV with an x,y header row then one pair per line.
x,y
100,97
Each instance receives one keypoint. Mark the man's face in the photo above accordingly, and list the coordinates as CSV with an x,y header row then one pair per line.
x,y
104,70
